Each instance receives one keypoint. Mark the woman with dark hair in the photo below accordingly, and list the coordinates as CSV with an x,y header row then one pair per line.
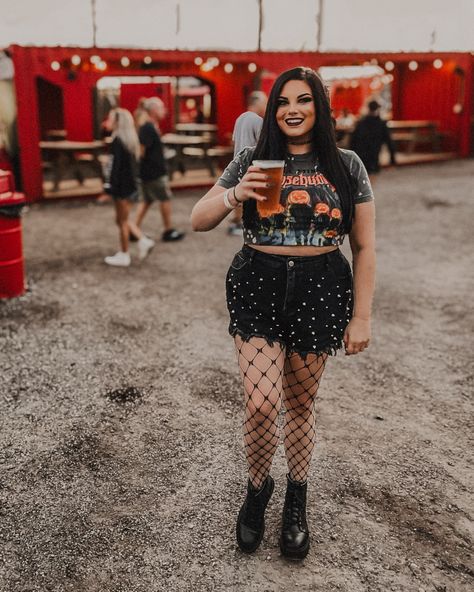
x,y
291,295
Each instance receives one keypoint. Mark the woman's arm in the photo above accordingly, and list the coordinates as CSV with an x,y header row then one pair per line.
x,y
362,238
210,210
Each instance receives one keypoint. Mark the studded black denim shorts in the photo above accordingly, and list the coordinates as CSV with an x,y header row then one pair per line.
x,y
304,303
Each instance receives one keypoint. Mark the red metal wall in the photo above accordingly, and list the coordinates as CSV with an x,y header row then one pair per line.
x,y
51,106
425,94
432,94
130,94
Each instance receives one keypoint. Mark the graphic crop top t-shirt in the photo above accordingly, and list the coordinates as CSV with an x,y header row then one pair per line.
x,y
309,212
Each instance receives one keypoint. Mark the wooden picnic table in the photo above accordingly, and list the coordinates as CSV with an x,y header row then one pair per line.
x,y
196,128
415,132
66,155
56,134
180,143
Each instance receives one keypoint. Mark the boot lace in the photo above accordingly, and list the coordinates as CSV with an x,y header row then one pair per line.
x,y
294,511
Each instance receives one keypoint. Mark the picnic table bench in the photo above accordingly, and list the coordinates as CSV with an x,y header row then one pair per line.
x,y
412,133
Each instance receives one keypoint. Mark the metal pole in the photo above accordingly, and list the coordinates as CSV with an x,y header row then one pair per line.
x,y
320,25
94,24
178,18
260,24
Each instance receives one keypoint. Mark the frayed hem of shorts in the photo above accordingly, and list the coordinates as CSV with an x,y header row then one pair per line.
x,y
330,350
248,336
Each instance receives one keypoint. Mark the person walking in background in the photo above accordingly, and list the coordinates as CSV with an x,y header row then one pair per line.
x,y
292,302
246,131
370,134
122,183
153,169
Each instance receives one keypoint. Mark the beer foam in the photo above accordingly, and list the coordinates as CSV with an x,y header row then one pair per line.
x,y
269,164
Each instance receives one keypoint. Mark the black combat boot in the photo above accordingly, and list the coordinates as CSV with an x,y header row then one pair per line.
x,y
251,520
294,541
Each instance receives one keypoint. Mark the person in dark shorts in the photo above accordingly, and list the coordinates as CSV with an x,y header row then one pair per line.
x,y
291,295
122,183
368,137
153,169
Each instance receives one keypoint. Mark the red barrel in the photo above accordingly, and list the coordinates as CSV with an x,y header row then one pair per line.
x,y
12,273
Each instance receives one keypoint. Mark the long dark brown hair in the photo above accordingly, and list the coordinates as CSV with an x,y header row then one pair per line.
x,y
272,143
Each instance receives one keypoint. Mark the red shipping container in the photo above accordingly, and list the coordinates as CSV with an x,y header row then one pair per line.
x,y
12,274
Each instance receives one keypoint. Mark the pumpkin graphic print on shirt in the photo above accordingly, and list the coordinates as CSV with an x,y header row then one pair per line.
x,y
309,210
308,213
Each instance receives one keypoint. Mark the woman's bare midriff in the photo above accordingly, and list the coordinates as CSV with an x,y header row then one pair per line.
x,y
297,251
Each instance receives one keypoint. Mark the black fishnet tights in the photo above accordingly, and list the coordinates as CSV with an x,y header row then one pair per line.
x,y
300,386
269,376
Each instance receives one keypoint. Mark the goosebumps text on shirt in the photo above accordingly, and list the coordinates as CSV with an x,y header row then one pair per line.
x,y
309,211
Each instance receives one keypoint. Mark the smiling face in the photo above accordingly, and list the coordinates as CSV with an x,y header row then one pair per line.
x,y
296,113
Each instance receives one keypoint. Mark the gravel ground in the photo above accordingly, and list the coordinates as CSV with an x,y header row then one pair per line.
x,y
121,466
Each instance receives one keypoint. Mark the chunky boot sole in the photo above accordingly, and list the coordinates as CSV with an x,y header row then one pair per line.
x,y
251,549
295,554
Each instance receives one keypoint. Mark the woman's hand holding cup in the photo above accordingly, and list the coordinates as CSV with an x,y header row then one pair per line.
x,y
253,180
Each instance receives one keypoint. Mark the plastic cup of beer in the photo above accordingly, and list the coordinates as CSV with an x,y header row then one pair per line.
x,y
274,170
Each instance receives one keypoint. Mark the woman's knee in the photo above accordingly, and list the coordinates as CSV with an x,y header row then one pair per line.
x,y
262,412
301,404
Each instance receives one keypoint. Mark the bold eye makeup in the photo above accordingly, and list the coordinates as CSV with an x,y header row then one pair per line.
x,y
306,98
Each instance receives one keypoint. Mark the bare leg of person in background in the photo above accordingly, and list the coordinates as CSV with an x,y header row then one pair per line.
x,y
169,233
122,208
135,226
122,257
165,209
145,244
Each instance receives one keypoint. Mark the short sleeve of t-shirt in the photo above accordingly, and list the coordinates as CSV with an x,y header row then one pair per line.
x,y
358,171
236,169
147,134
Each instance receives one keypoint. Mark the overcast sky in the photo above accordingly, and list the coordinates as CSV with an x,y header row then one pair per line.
x,y
363,25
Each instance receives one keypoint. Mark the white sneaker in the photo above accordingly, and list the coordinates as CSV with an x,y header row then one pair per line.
x,y
145,245
120,259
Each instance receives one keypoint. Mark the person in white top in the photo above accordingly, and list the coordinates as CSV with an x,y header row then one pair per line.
x,y
246,131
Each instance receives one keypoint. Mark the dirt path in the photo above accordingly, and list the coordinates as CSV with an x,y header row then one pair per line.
x,y
121,467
